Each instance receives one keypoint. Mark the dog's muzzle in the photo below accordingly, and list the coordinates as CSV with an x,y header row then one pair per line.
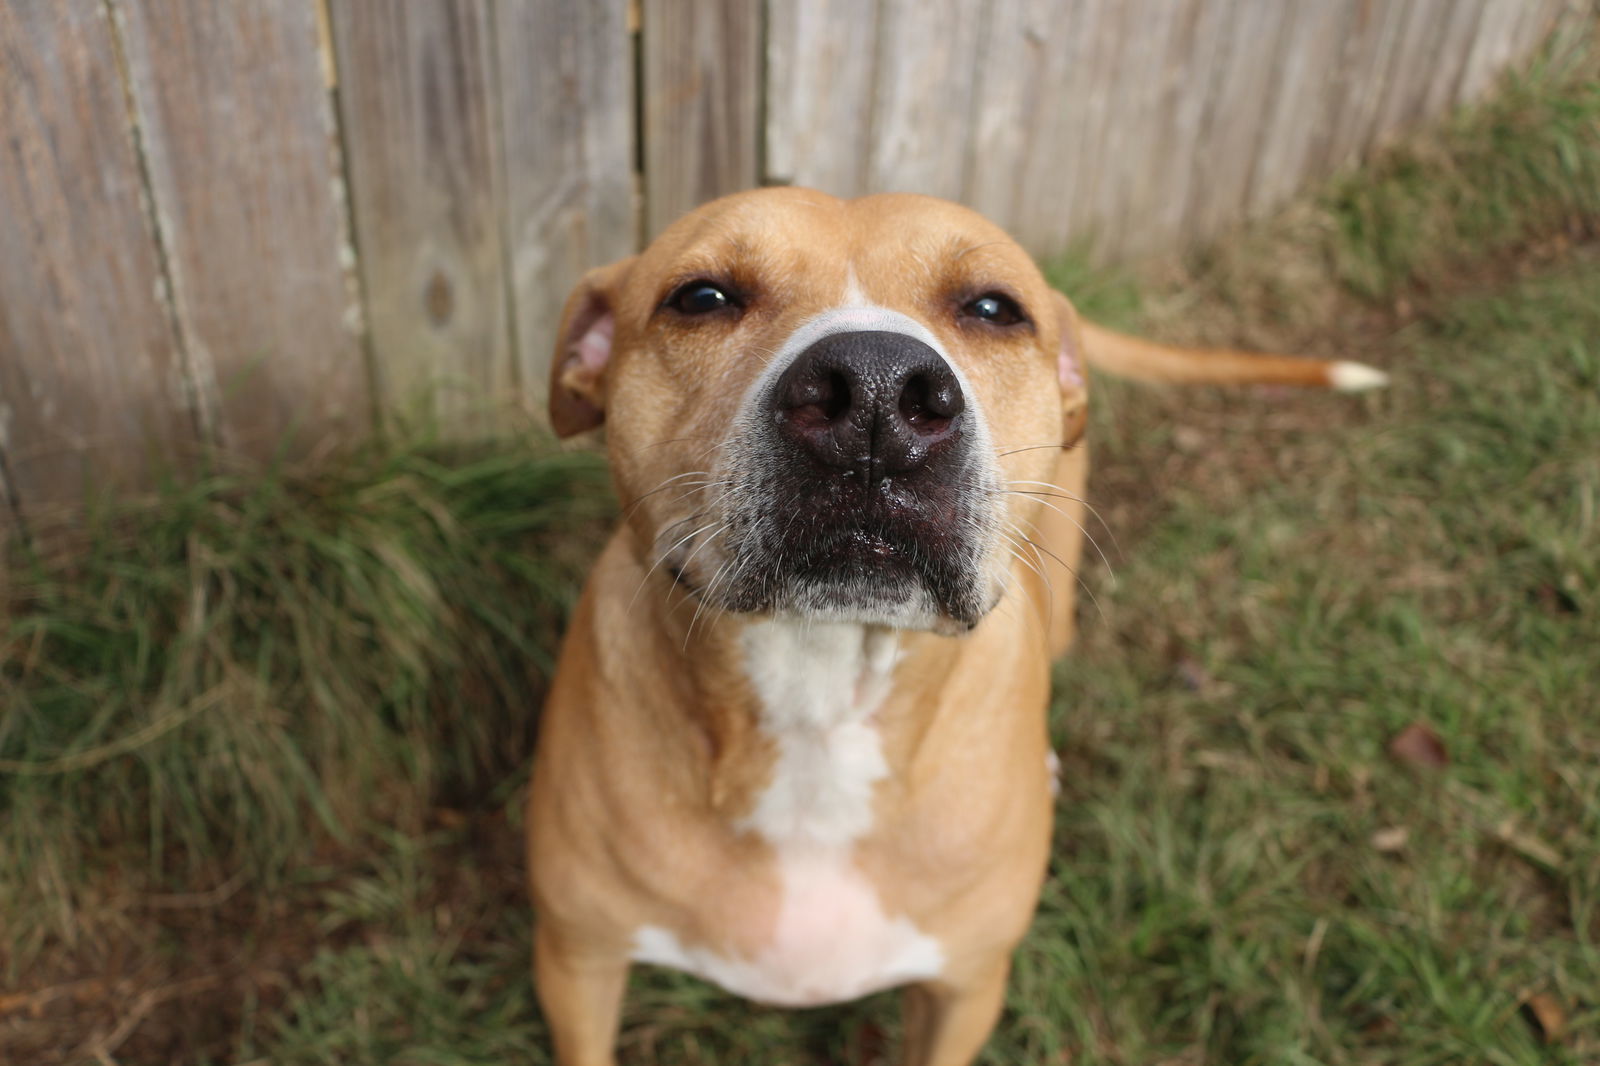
x,y
861,489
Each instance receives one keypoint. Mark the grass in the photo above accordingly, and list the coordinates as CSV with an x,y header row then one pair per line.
x,y
261,741
249,665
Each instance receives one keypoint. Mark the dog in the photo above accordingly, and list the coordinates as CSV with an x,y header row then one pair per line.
x,y
795,743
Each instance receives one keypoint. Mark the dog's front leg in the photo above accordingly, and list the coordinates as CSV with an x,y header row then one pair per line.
x,y
946,1021
580,990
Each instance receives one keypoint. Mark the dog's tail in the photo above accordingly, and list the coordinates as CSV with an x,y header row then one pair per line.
x,y
1142,360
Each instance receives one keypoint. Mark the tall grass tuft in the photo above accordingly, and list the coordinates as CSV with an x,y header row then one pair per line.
x,y
247,664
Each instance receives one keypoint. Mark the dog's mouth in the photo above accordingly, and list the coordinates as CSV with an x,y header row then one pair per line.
x,y
899,555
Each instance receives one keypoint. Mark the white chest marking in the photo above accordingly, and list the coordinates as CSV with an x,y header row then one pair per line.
x,y
819,685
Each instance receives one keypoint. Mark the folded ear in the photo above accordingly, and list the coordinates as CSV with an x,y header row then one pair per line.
x,y
583,351
1071,373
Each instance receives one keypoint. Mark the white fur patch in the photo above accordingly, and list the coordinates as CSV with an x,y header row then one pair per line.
x,y
1356,377
832,943
819,685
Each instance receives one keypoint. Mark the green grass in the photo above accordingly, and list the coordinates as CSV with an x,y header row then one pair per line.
x,y
261,742
245,666
1433,559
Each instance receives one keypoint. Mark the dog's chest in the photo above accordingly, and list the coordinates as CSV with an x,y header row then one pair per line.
x,y
832,938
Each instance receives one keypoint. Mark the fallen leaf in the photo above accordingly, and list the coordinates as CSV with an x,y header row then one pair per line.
x,y
1391,840
1548,1018
1418,745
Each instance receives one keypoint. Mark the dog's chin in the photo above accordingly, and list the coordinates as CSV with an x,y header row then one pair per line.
x,y
888,593
892,604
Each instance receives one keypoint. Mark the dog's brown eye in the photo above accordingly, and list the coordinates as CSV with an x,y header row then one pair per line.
x,y
699,298
995,308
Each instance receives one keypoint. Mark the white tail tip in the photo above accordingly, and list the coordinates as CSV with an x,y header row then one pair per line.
x,y
1356,377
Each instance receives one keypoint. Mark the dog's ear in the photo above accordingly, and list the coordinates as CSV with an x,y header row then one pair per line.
x,y
583,351
1071,372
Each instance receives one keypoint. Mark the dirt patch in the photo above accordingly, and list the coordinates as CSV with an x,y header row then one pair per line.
x,y
164,979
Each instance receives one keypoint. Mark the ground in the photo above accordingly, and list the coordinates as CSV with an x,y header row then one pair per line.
x,y
1330,738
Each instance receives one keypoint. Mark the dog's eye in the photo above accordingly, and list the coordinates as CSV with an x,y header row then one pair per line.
x,y
699,298
995,308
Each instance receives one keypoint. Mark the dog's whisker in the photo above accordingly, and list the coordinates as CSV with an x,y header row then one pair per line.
x,y
663,556
1086,534
1081,582
706,600
1014,550
669,483
1110,570
670,440
1091,508
1036,447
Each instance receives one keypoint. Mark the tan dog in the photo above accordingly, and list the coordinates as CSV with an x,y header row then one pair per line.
x,y
796,743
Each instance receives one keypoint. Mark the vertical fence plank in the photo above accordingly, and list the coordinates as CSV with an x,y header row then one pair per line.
x,y
566,111
91,383
1296,109
416,94
702,68
1239,97
1455,44
820,64
1539,19
1370,43
1130,149
1406,81
1010,69
1491,48
922,101
244,173
1199,43
1057,160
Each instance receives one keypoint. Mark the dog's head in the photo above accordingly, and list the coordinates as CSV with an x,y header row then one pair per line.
x,y
820,407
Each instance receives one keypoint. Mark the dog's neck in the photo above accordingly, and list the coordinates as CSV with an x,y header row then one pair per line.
x,y
818,696
818,687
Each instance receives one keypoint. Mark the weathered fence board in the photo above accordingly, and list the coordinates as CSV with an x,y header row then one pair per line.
x,y
923,98
1010,66
420,112
1405,82
1198,44
1122,196
1296,117
566,92
1442,82
820,64
701,102
243,170
1048,173
91,387
1239,99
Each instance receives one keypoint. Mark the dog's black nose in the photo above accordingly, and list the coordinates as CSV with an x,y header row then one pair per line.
x,y
872,402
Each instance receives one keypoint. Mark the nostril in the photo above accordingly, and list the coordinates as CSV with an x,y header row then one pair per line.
x,y
835,399
929,402
814,401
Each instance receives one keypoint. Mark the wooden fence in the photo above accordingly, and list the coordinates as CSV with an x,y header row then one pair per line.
x,y
261,223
